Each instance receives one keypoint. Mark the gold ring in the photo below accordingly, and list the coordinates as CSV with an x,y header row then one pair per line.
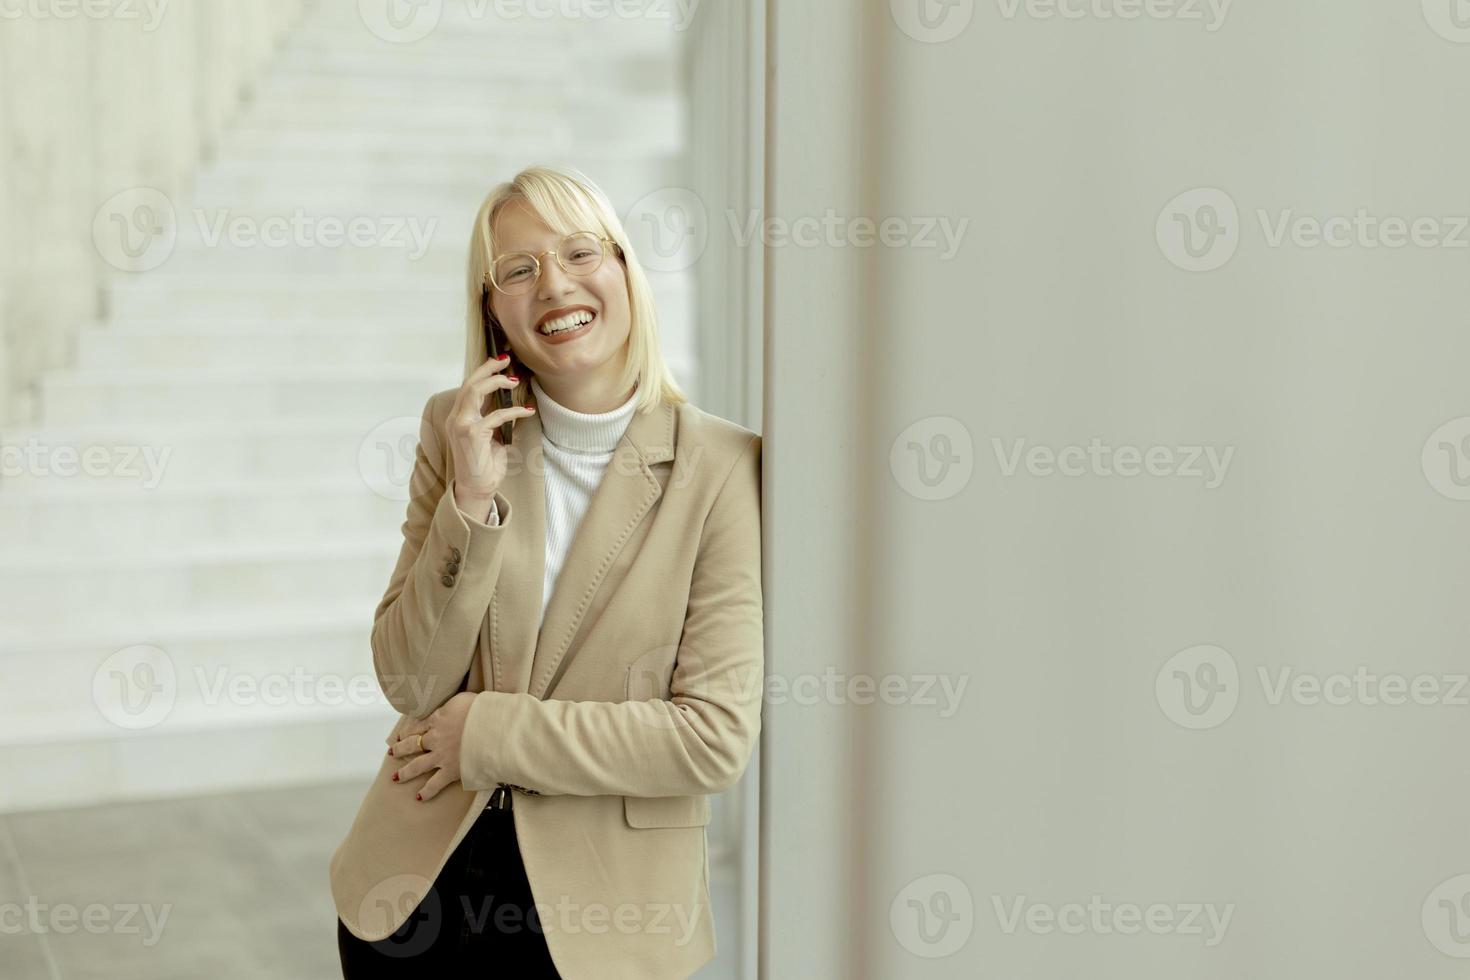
x,y
421,741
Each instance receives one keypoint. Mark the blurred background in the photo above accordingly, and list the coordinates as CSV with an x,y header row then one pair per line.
x,y
231,274
1110,360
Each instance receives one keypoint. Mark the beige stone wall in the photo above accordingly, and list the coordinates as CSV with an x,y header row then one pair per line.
x,y
96,99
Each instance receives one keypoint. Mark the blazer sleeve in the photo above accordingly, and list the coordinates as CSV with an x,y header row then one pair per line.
x,y
696,742
427,626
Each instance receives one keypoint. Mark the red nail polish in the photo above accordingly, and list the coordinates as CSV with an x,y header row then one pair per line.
x,y
419,797
395,777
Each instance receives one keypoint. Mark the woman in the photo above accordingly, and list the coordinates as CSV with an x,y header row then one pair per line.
x,y
572,633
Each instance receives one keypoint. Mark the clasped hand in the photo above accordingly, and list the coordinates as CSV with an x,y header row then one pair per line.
x,y
438,749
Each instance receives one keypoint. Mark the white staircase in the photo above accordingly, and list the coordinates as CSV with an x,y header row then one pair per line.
x,y
191,610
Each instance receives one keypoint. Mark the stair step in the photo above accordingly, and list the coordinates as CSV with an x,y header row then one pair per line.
x,y
306,747
374,393
624,177
178,346
65,584
116,516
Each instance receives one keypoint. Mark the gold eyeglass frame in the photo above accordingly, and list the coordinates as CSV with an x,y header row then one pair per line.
x,y
536,261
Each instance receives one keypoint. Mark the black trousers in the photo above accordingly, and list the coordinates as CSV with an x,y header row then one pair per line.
x,y
478,920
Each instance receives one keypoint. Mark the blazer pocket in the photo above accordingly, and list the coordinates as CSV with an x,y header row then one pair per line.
x,y
649,678
666,811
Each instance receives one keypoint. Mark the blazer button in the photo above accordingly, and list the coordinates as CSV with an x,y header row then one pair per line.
x,y
454,553
447,580
452,568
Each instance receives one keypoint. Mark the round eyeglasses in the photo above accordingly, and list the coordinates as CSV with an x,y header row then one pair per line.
x,y
580,254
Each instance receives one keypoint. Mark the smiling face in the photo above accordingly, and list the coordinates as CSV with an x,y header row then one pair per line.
x,y
591,355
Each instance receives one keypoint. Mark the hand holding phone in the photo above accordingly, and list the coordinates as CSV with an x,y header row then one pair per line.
x,y
502,395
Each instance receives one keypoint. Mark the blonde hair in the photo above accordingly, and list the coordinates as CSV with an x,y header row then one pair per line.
x,y
567,201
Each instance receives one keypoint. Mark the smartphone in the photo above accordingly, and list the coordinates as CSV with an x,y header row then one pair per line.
x,y
501,395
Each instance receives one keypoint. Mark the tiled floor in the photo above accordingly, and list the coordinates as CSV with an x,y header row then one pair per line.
x,y
241,879
236,887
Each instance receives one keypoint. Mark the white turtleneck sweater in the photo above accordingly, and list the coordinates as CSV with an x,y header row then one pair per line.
x,y
578,446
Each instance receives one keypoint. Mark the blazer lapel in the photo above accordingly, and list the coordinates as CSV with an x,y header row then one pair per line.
x,y
627,491
515,606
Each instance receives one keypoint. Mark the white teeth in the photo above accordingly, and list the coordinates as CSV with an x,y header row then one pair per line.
x,y
569,322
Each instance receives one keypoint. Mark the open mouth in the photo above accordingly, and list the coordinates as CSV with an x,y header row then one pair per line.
x,y
568,324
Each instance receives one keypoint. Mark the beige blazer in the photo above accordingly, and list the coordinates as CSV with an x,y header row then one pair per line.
x,y
638,696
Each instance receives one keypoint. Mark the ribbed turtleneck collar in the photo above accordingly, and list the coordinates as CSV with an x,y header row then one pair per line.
x,y
580,431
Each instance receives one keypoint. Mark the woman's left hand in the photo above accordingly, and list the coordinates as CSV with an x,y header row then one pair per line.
x,y
442,732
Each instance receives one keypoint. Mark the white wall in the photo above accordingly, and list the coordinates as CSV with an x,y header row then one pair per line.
x,y
1068,770
96,99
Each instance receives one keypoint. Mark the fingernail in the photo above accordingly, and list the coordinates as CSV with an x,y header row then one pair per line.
x,y
530,408
395,777
419,797
513,377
